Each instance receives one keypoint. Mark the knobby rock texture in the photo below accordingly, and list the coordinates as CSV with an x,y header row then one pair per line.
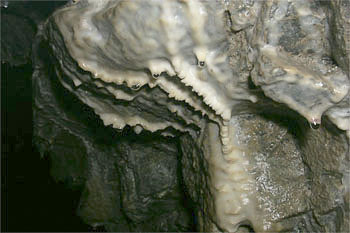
x,y
148,148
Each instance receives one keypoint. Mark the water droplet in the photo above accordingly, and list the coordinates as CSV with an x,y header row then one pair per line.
x,y
119,130
138,129
5,4
314,125
136,86
201,64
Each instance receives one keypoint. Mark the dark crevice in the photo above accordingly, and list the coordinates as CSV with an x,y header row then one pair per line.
x,y
31,200
186,200
246,228
97,229
251,84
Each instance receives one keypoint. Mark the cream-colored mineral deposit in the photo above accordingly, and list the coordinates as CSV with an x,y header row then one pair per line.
x,y
216,68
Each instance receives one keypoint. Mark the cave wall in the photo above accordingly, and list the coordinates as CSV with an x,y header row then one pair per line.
x,y
135,180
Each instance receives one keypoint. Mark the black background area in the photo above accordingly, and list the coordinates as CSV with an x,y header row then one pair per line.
x,y
30,198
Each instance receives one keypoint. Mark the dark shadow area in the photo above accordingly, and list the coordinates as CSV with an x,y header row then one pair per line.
x,y
30,199
186,200
286,118
246,227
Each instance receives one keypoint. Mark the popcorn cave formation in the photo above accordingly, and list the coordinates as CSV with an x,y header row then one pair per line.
x,y
254,93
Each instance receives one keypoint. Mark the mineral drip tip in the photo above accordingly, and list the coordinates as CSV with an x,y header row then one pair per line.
x,y
315,124
201,64
136,87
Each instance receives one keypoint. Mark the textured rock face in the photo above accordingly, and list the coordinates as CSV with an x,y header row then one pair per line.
x,y
133,42
193,70
338,13
329,172
292,50
288,46
19,20
108,166
281,181
150,186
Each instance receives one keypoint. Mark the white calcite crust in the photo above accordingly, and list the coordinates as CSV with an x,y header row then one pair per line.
x,y
340,115
233,186
291,63
143,42
181,47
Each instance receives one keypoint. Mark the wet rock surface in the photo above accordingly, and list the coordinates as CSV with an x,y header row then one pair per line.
x,y
326,155
19,21
129,182
301,181
151,190
338,13
279,171
194,170
134,180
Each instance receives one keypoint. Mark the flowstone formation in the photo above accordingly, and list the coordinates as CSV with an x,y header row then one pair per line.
x,y
217,75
